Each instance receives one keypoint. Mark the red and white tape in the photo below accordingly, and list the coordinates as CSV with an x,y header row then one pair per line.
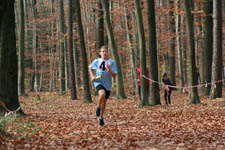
x,y
184,88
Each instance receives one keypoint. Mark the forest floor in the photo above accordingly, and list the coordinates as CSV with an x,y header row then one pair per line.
x,y
56,122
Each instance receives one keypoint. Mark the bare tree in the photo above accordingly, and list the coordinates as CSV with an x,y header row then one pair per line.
x,y
34,46
70,48
86,87
100,26
61,44
127,18
21,88
8,57
206,55
179,48
172,64
216,88
194,98
153,71
142,51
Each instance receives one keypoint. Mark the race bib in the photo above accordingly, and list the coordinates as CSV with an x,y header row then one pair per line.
x,y
102,65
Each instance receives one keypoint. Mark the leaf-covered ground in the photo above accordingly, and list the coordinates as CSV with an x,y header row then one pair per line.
x,y
56,122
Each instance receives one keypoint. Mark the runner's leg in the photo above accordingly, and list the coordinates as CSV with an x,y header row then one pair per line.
x,y
102,101
165,96
169,94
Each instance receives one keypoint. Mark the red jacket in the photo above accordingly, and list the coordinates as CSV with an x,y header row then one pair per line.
x,y
139,75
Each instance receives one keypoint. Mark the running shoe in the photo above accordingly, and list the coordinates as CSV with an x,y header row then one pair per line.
x,y
101,122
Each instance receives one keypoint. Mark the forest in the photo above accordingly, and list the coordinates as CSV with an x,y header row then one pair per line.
x,y
47,95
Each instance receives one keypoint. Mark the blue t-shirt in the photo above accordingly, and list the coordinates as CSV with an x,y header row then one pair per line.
x,y
100,66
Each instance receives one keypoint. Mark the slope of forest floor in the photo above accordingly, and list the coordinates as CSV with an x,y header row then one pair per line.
x,y
56,122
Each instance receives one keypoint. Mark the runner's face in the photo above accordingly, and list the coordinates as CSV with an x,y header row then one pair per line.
x,y
104,53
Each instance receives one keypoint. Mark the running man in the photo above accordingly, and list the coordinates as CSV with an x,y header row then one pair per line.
x,y
105,68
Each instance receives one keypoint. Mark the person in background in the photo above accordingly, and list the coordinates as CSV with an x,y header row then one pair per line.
x,y
167,88
105,69
138,70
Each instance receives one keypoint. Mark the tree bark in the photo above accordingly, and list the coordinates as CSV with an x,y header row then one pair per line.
x,y
172,44
34,47
142,53
194,98
86,87
21,88
206,55
179,49
131,49
71,60
216,89
153,70
100,26
184,48
61,44
52,49
76,52
8,57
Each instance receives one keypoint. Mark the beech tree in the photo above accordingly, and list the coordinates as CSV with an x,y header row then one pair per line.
x,y
99,26
21,88
192,81
206,55
179,46
86,88
70,49
127,18
153,71
142,50
34,47
8,57
216,88
172,30
62,49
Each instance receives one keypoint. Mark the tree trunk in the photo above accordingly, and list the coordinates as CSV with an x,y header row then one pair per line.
x,y
136,40
61,44
120,88
206,55
194,98
131,50
86,87
142,51
184,48
52,49
71,60
216,89
21,88
41,69
179,50
76,53
100,26
172,44
153,70
34,46
8,57
66,59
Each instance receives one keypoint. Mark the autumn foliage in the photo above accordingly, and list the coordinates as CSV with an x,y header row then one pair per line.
x,y
56,122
